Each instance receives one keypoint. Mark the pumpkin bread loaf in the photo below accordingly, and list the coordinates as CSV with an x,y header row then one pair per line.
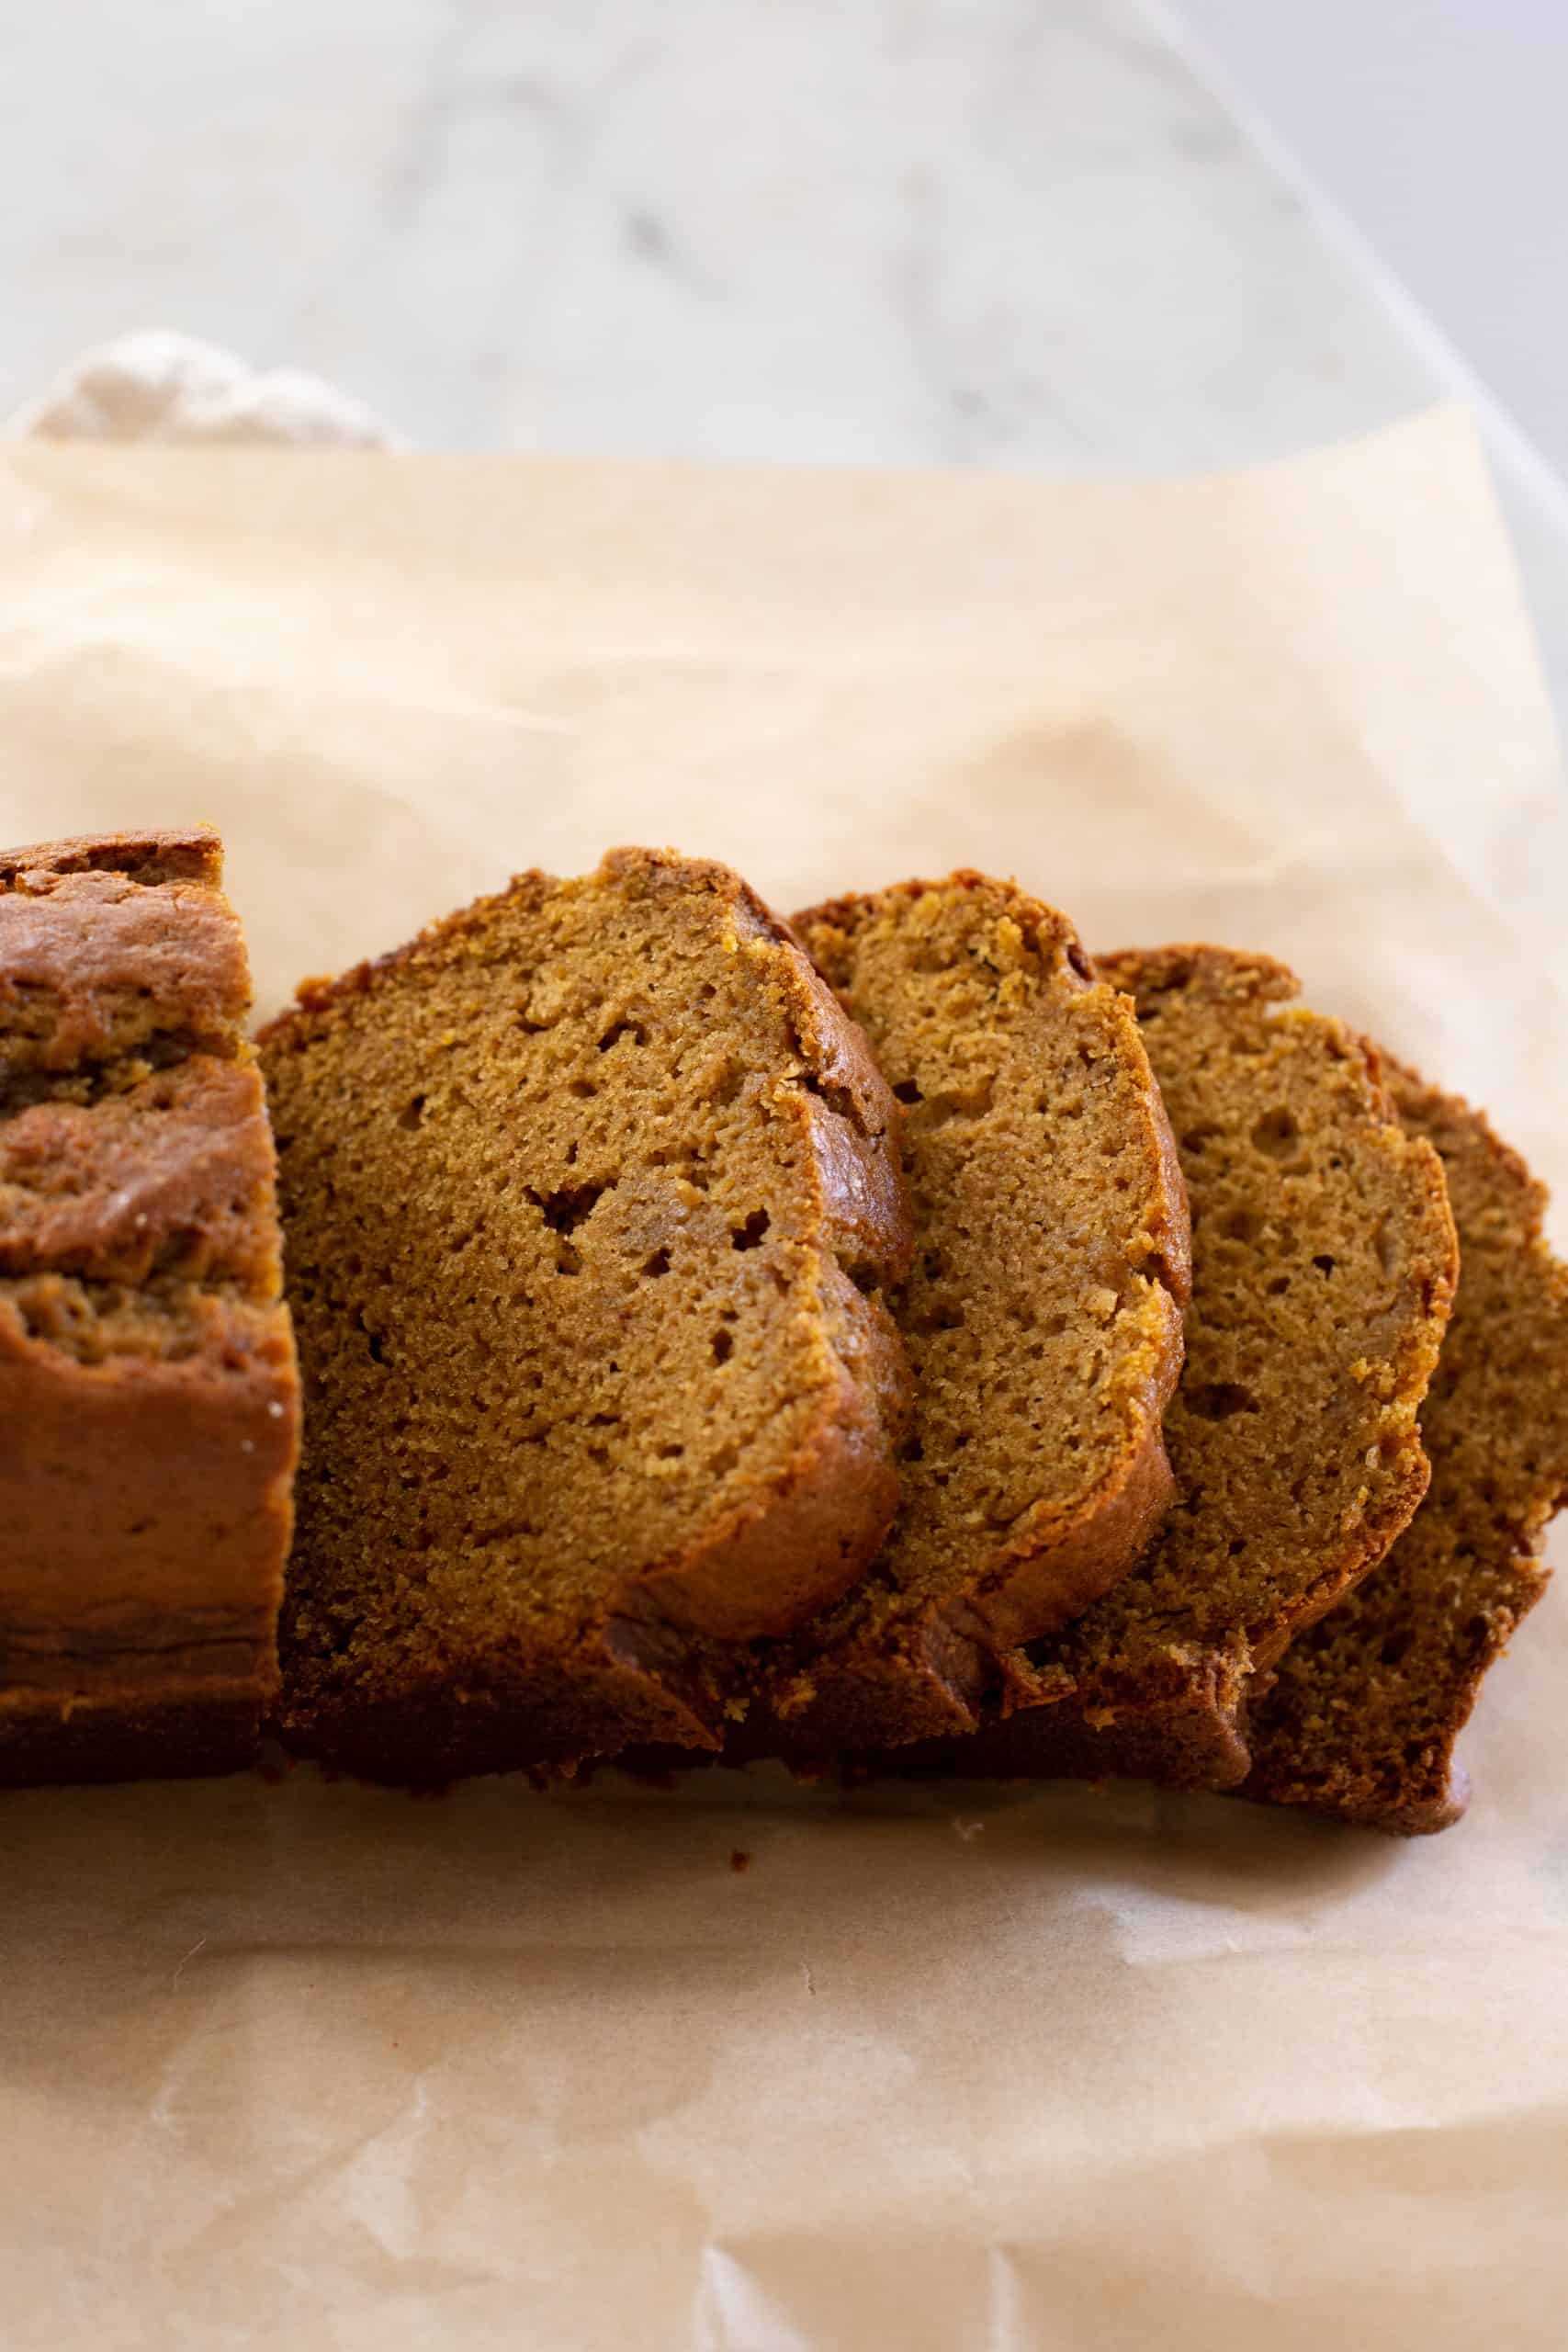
x,y
1324,1269
1362,1718
147,1394
1042,1313
590,1193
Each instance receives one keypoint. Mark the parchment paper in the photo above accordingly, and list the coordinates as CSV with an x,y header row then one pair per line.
x,y
307,2065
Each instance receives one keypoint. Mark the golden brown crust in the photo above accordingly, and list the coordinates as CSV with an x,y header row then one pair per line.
x,y
833,1501
153,858
1080,1558
168,1169
119,946
1325,1260
675,1048
148,1388
1362,1718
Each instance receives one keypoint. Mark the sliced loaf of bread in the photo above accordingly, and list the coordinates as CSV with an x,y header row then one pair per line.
x,y
1041,1312
1324,1268
591,1194
1367,1705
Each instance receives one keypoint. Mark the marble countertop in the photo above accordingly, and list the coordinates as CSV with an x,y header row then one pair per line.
x,y
1005,232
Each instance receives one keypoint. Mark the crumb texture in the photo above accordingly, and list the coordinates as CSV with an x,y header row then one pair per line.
x,y
589,1195
1043,1309
1363,1717
1324,1267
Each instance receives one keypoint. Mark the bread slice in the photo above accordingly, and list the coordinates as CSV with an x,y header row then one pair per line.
x,y
1362,1718
1042,1311
148,1391
1324,1270
590,1196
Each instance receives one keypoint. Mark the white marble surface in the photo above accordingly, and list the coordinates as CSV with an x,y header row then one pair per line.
x,y
1008,232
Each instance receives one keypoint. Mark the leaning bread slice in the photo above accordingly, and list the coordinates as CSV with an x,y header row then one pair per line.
x,y
1362,1718
589,1195
1042,1310
1324,1269
148,1398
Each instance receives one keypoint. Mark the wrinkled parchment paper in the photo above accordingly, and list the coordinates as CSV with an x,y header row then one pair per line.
x,y
309,2064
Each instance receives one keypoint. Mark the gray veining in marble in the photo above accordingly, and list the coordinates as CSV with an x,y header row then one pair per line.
x,y
896,229
1011,231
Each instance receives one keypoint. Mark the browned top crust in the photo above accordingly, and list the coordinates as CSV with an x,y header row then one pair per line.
x,y
147,1379
118,945
590,1192
1363,1717
149,859
1042,1310
160,1174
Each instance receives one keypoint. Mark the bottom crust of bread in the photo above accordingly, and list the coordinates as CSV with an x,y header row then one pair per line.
x,y
1191,1741
633,1685
144,1735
